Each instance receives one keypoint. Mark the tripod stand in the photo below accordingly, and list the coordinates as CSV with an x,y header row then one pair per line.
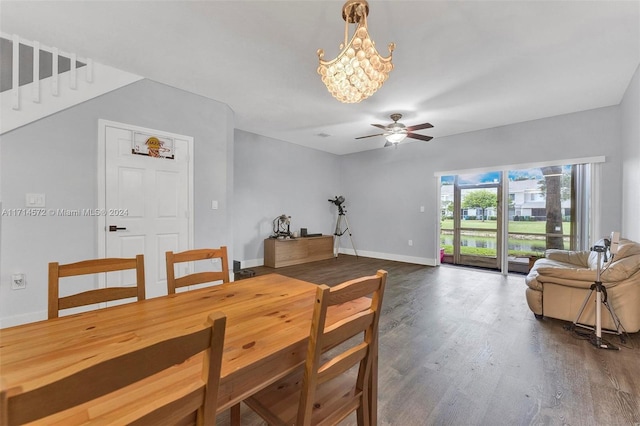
x,y
340,231
600,299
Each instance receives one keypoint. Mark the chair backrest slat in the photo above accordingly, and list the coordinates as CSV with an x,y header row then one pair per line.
x,y
347,328
97,296
353,289
89,297
199,277
342,363
94,266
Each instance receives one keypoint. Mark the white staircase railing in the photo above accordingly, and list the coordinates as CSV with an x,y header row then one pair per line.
x,y
55,77
21,105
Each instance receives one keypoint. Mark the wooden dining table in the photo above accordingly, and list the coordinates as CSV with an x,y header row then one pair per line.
x,y
268,323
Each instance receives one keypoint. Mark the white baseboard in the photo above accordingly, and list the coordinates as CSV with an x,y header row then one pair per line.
x,y
394,257
253,263
22,319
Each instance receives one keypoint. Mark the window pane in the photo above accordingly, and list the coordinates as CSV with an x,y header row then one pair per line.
x,y
539,210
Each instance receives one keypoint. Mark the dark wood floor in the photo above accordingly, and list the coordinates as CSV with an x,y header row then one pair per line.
x,y
460,346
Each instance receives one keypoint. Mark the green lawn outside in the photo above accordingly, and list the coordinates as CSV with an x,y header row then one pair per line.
x,y
514,227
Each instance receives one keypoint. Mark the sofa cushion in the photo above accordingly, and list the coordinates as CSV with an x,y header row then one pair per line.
x,y
552,271
547,262
568,257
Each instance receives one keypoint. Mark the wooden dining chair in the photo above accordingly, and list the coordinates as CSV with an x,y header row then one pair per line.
x,y
90,297
126,369
326,389
198,277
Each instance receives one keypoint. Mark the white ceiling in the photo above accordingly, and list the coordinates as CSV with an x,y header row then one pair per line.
x,y
460,65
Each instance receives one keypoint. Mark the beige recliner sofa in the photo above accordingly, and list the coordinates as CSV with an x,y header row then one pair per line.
x,y
559,283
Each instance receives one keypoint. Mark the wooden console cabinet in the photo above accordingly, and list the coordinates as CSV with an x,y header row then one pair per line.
x,y
278,253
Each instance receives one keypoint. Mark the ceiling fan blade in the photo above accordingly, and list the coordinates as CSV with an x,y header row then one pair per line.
x,y
421,137
370,136
419,127
380,126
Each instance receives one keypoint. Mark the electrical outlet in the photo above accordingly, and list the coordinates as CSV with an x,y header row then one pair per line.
x,y
410,242
18,281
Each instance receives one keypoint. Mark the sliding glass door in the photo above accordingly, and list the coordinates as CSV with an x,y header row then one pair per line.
x,y
540,208
470,229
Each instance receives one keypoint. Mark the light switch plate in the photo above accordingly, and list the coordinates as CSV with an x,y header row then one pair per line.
x,y
34,200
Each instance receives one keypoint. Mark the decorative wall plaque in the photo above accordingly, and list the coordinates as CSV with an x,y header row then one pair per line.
x,y
152,146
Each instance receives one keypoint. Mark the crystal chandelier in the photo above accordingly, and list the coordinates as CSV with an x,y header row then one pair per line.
x,y
359,70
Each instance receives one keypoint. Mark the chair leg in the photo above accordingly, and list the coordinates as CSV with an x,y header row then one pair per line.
x,y
362,416
373,388
234,418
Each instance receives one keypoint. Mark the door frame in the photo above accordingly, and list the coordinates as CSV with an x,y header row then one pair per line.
x,y
469,260
102,178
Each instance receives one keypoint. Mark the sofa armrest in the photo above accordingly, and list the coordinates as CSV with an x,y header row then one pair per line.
x,y
571,277
578,258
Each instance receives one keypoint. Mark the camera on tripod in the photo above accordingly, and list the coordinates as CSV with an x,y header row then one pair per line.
x,y
338,200
340,230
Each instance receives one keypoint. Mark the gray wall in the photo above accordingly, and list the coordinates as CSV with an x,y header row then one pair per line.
x,y
387,187
273,177
57,156
630,111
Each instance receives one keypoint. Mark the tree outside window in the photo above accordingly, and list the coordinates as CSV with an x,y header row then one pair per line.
x,y
480,199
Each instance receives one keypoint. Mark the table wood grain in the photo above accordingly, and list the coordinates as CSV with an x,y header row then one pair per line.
x,y
268,321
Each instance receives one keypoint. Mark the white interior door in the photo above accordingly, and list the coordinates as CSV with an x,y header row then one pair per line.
x,y
148,199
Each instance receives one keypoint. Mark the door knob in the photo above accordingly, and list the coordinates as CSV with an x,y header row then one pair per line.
x,y
114,228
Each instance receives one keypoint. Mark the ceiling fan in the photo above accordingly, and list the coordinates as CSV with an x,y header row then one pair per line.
x,y
396,132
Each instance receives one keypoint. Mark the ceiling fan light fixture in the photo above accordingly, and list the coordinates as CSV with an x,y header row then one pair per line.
x,y
359,70
396,137
397,131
